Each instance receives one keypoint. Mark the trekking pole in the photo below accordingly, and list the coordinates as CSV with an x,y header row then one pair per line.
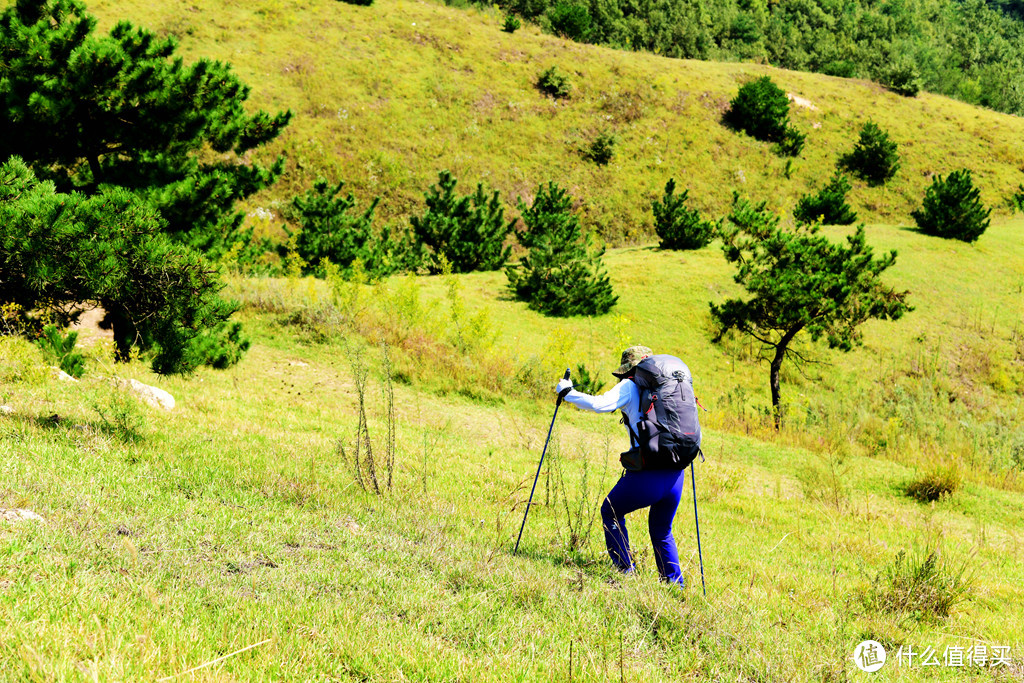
x,y
696,521
561,395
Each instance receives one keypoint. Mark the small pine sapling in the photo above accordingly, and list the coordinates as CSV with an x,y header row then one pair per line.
x,y
554,82
329,232
874,158
828,206
761,110
469,232
953,209
602,148
584,381
62,349
679,226
562,274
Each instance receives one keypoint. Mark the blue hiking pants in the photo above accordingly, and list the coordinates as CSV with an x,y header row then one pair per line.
x,y
658,489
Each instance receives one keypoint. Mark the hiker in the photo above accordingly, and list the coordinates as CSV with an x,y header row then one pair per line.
x,y
655,395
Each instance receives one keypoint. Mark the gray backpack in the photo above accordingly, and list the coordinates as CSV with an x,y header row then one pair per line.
x,y
668,432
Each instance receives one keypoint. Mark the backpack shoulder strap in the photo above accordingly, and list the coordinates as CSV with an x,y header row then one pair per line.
x,y
625,418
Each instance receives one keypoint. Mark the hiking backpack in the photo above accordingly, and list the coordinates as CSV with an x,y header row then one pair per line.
x,y
668,432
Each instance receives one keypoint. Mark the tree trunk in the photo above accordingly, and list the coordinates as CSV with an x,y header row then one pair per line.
x,y
776,367
94,166
123,331
780,352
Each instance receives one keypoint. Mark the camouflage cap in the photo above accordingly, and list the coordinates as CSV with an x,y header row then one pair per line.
x,y
630,357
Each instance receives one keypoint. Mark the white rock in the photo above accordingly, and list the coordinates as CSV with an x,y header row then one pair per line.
x,y
801,101
63,376
19,515
6,410
158,398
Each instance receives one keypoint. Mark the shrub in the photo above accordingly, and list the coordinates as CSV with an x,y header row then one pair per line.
x,y
1017,199
874,158
562,274
62,349
221,347
511,24
761,109
828,205
107,249
569,20
468,232
679,226
602,148
791,144
585,382
329,232
119,413
554,82
935,484
952,209
925,585
363,3
902,77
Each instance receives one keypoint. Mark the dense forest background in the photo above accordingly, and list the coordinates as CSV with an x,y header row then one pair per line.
x,y
969,49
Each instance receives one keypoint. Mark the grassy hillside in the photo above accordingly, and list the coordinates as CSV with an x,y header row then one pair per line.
x,y
388,95
945,384
232,533
173,539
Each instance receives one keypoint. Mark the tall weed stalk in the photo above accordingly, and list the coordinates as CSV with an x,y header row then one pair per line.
x,y
581,505
363,462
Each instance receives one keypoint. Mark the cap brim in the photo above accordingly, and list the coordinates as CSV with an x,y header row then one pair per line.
x,y
623,370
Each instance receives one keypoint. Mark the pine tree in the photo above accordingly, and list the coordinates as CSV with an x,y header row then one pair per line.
x,y
60,250
761,110
679,226
828,206
952,208
874,158
61,348
799,281
328,231
88,111
468,231
562,274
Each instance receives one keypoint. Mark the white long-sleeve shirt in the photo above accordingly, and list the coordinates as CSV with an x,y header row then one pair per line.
x,y
623,396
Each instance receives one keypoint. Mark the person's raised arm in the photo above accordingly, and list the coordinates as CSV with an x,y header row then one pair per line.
x,y
615,398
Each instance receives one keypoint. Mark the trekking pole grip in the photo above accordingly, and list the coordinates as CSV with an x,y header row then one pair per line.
x,y
562,394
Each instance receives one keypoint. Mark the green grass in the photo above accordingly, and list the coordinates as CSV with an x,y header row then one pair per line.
x,y
232,521
942,385
386,96
174,539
